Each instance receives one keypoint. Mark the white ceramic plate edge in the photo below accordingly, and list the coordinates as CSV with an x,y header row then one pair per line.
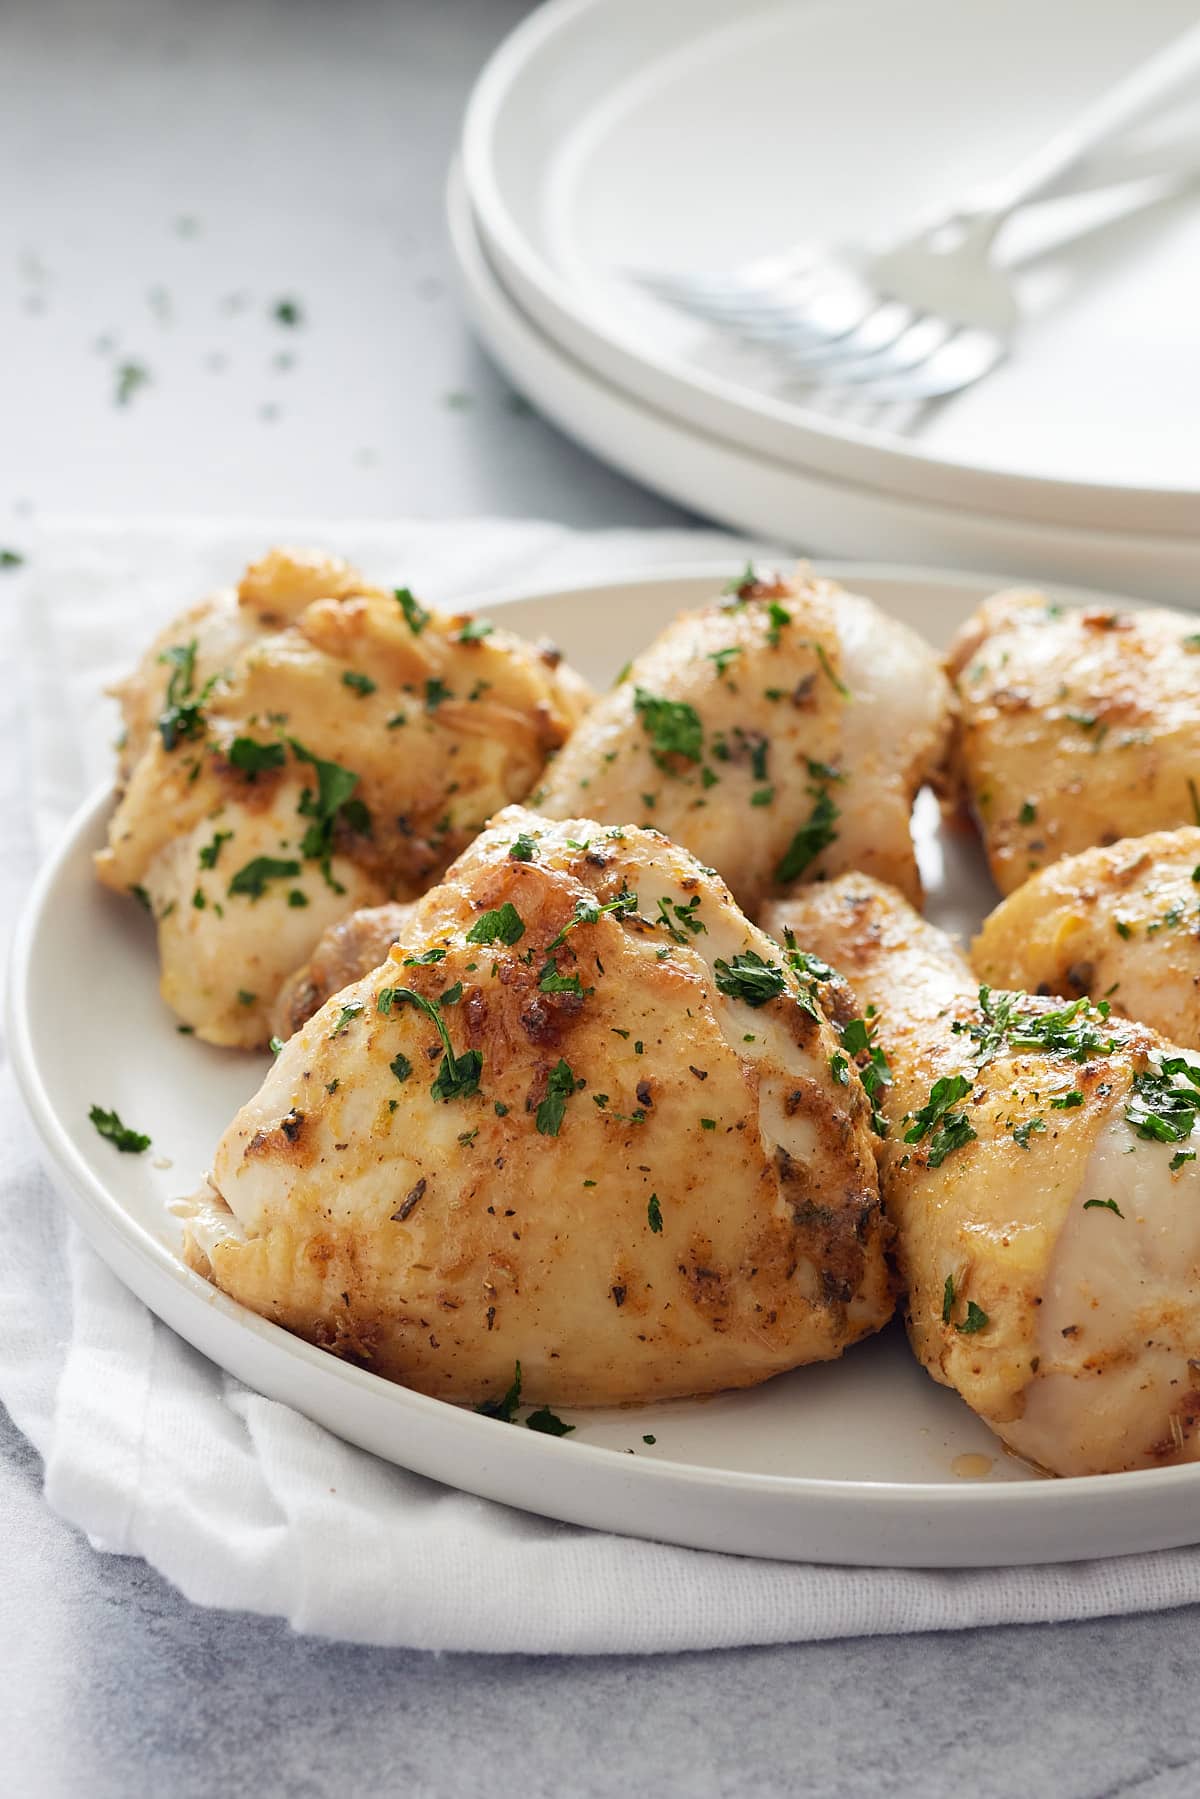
x,y
753,493
753,421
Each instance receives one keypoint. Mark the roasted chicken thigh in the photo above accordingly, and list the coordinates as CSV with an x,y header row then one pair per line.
x,y
585,1118
1078,727
1121,924
1042,1178
302,747
780,734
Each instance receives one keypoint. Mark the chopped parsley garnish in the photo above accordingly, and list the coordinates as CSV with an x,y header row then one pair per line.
x,y
553,982
504,1408
1122,929
458,1075
415,614
362,684
588,912
559,1088
400,1066
708,1124
654,1214
684,916
827,665
1161,1110
839,1067
1067,1031
183,718
522,848
814,836
11,559
953,1130
742,584
1104,1205
724,657
548,1422
251,758
475,630
275,1044
504,925
348,1014
143,898
778,616
673,726
1179,1158
297,898
130,1143
1023,1132
1027,814
1066,1102
287,312
332,801
948,1299
436,692
211,851
252,879
858,1039
975,1320
130,377
1195,799
748,977
245,997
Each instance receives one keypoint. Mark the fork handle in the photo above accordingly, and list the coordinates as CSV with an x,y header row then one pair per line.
x,y
1109,114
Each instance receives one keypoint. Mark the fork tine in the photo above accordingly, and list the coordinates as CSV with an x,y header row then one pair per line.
x,y
879,330
964,359
911,348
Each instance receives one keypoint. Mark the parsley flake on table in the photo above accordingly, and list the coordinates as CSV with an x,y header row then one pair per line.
x,y
129,1142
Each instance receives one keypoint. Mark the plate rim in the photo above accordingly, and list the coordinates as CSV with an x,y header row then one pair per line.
x,y
96,1204
906,470
740,487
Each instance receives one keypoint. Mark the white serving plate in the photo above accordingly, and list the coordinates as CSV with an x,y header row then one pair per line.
x,y
606,135
850,1462
770,498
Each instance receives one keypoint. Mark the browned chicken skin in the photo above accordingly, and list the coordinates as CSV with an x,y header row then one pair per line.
x,y
780,734
350,948
1040,1171
585,1118
306,745
1079,727
1120,924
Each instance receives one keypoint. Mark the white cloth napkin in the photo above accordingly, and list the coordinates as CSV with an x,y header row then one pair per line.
x,y
153,1451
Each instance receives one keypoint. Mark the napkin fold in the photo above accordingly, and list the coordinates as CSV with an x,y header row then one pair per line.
x,y
154,1451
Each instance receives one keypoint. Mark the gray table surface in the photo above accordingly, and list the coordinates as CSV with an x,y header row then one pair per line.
x,y
171,171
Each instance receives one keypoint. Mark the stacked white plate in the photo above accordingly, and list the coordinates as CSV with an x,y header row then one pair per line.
x,y
612,135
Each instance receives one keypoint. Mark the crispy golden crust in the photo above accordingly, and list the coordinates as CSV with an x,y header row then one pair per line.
x,y
1079,727
706,1214
439,729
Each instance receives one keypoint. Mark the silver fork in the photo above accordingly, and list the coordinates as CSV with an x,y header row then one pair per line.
x,y
934,312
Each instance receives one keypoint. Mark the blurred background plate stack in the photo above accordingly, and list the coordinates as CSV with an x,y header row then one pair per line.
x,y
607,137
